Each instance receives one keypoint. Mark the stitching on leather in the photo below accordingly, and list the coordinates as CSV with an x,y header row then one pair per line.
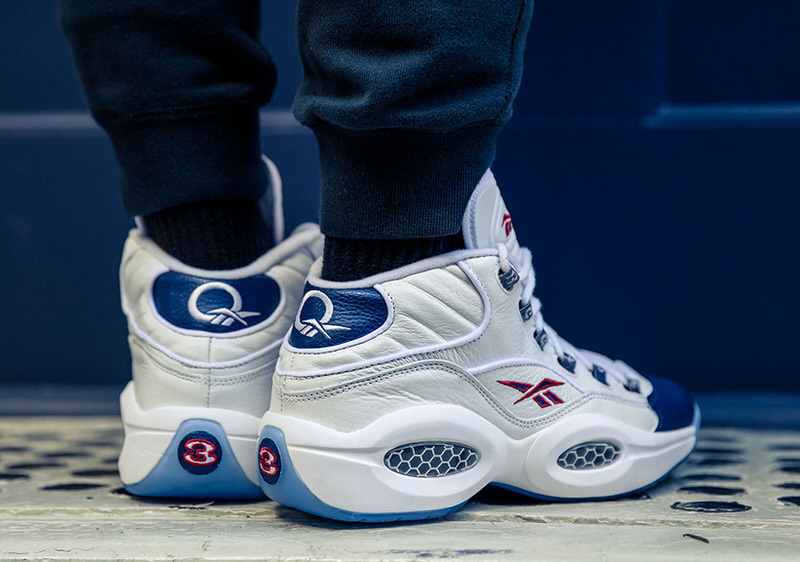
x,y
188,377
490,400
426,355
201,376
261,373
444,304
489,307
208,375
315,395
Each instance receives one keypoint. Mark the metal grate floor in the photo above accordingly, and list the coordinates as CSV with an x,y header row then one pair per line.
x,y
736,498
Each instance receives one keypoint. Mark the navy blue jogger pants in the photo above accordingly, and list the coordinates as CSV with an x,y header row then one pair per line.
x,y
405,97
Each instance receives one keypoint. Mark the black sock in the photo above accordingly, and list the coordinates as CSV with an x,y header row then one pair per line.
x,y
217,234
348,259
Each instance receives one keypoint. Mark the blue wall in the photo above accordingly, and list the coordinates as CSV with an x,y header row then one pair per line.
x,y
651,166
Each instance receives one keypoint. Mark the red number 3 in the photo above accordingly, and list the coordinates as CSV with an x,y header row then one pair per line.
x,y
266,462
200,452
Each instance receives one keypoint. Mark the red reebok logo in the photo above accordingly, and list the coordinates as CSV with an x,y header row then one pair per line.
x,y
540,393
507,226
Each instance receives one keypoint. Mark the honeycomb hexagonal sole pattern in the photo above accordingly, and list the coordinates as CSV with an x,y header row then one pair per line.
x,y
430,460
588,455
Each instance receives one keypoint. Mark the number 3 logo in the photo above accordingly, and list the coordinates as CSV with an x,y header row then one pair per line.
x,y
269,461
199,452
266,461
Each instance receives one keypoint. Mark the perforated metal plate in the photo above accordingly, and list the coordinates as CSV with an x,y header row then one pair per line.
x,y
735,499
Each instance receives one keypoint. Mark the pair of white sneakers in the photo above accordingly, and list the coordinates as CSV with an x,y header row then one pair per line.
x,y
396,397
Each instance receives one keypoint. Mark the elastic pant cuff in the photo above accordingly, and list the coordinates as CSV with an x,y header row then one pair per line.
x,y
175,157
390,184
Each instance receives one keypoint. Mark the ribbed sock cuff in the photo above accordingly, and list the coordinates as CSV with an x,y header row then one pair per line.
x,y
346,259
215,235
172,157
390,184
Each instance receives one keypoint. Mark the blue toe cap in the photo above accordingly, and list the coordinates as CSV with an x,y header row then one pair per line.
x,y
673,404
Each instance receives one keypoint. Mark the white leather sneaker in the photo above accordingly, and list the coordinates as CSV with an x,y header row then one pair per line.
x,y
204,346
400,396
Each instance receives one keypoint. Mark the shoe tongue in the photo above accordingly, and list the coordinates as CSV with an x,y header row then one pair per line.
x,y
487,221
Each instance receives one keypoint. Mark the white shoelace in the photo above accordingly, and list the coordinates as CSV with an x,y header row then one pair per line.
x,y
523,265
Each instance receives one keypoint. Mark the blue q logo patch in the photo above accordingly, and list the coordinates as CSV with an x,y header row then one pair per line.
x,y
214,305
329,317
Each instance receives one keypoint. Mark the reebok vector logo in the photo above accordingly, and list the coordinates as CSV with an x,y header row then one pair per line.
x,y
328,317
507,224
220,315
217,306
541,393
310,327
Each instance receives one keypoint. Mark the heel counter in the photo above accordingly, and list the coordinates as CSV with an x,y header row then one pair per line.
x,y
163,381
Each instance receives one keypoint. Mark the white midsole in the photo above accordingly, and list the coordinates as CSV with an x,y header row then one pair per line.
x,y
148,433
347,470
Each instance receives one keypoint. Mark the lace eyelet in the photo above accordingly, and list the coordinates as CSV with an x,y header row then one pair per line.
x,y
632,385
568,362
526,311
508,278
600,374
541,338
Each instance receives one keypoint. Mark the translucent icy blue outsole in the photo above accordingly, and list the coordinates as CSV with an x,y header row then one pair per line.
x,y
286,488
200,464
